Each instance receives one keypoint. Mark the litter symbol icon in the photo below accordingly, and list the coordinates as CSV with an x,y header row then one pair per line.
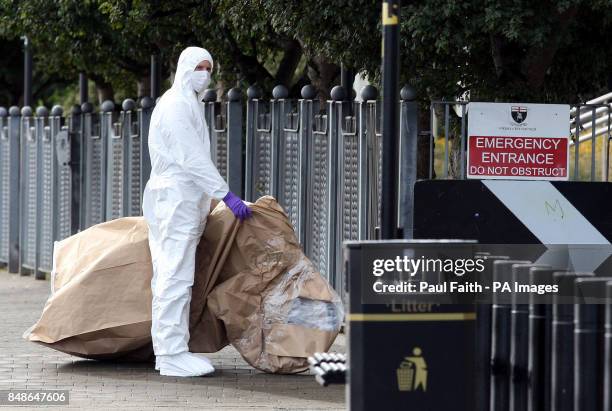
x,y
412,372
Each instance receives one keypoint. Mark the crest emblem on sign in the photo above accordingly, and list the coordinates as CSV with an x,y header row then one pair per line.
x,y
519,114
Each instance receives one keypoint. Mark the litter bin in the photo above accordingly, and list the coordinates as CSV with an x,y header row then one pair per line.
x,y
404,353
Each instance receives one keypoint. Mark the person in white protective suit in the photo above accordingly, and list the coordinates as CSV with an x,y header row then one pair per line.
x,y
176,204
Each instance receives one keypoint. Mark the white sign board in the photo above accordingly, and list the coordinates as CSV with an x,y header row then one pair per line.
x,y
518,141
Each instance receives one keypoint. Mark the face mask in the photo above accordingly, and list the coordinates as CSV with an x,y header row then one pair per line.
x,y
200,80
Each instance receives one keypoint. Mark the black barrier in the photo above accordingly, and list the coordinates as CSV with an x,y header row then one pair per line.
x,y
540,338
589,344
519,344
474,209
562,378
483,345
417,356
608,350
500,344
522,337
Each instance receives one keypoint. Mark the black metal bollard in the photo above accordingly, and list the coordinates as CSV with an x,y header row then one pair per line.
x,y
562,378
483,342
608,349
540,339
519,343
500,344
589,340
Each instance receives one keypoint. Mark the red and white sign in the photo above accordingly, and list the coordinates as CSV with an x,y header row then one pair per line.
x,y
518,141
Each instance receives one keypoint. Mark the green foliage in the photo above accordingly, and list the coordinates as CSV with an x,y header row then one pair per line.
x,y
552,50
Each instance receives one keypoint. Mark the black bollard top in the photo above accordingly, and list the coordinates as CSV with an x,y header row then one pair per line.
x,y
544,275
210,95
42,111
254,92
309,92
14,111
3,112
27,111
408,93
565,296
280,92
234,94
590,293
337,93
369,92
609,308
76,109
87,107
128,104
57,110
107,105
591,289
146,102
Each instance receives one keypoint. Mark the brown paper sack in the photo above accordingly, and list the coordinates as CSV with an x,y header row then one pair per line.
x,y
253,287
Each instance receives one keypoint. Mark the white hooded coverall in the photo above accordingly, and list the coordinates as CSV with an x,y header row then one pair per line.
x,y
176,202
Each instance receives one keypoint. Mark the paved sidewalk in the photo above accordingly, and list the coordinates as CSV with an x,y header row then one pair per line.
x,y
103,385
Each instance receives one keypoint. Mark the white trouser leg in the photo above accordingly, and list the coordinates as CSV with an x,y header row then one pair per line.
x,y
176,219
172,281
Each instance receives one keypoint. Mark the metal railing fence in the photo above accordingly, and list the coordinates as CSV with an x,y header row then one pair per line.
x,y
322,160
63,173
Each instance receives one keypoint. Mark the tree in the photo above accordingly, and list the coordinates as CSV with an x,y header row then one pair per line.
x,y
546,51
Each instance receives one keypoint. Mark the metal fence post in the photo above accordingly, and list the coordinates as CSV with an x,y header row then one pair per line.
x,y
86,128
14,126
131,157
367,189
41,191
605,149
54,128
75,134
27,194
234,142
87,165
334,191
107,135
144,121
4,186
61,178
308,93
253,96
409,134
279,93
46,189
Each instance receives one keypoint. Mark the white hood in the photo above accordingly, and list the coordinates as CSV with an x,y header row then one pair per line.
x,y
187,62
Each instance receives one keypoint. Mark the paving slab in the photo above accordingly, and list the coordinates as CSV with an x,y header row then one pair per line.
x,y
137,386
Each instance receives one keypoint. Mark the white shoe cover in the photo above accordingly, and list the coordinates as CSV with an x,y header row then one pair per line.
x,y
158,360
185,364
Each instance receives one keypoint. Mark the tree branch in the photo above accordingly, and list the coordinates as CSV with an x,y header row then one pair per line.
x,y
539,59
290,61
249,65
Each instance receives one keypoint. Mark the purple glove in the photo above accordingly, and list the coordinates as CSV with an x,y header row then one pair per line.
x,y
240,210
